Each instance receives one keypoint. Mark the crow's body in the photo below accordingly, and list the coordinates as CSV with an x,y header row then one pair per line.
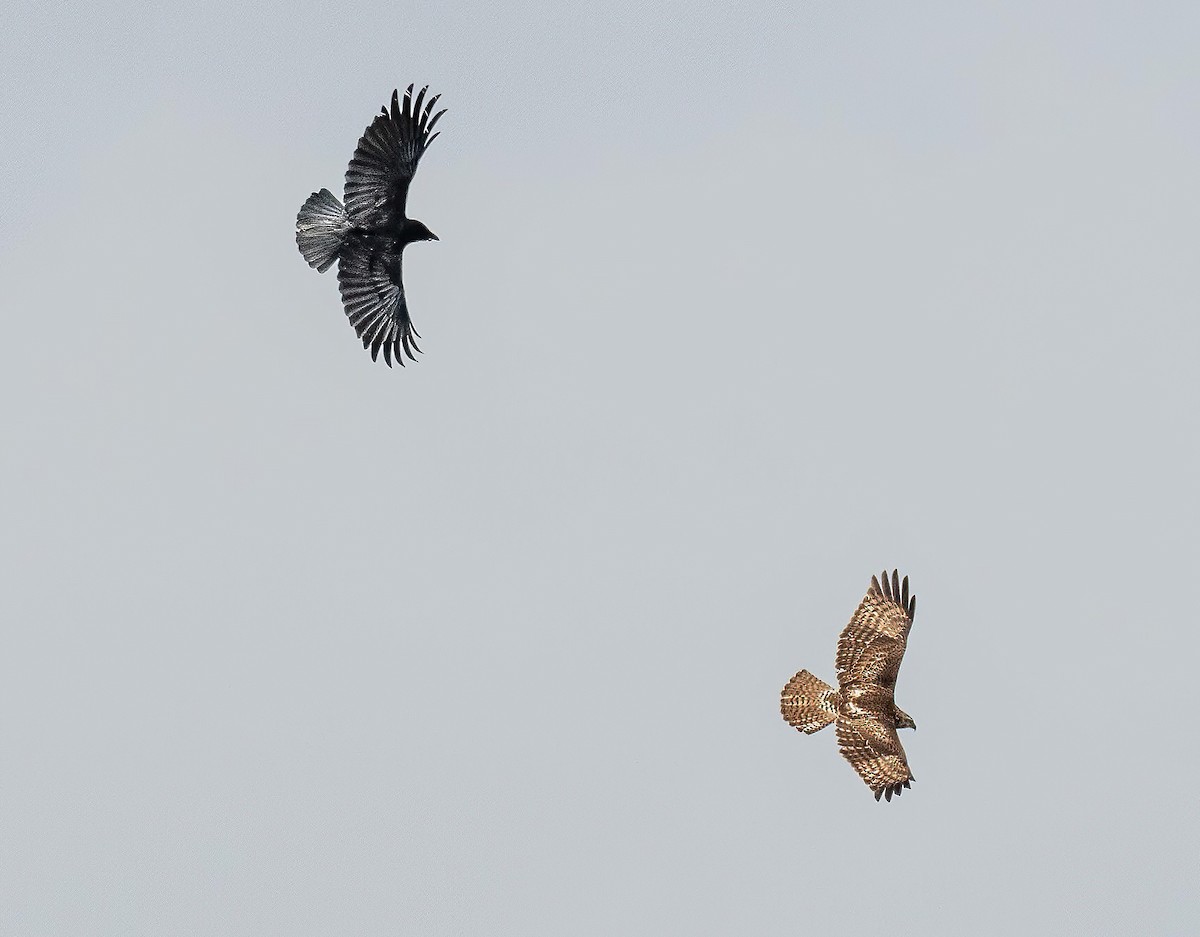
x,y
368,234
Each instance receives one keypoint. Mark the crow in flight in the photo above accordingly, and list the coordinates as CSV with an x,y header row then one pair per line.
x,y
368,235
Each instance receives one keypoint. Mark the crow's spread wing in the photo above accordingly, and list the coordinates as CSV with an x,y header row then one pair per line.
x,y
386,158
373,294
871,647
873,749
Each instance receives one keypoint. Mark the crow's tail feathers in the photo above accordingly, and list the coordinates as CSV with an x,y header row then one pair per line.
x,y
321,229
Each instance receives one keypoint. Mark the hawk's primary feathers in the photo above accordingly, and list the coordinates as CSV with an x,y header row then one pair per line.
x,y
863,706
367,235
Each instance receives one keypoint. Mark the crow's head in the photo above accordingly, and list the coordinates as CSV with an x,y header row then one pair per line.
x,y
416,231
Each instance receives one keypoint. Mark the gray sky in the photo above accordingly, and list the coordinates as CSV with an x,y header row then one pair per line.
x,y
732,308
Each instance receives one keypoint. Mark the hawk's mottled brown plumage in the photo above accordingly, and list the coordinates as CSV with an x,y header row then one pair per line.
x,y
868,660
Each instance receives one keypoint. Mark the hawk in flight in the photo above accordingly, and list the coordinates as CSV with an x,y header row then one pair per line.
x,y
368,234
863,706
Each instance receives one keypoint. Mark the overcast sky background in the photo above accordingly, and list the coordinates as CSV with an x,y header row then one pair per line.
x,y
733,306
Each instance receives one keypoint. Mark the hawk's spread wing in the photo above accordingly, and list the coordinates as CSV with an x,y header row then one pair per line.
x,y
386,158
871,647
373,295
873,749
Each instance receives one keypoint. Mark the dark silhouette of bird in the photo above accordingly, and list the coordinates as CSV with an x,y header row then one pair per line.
x,y
863,706
368,234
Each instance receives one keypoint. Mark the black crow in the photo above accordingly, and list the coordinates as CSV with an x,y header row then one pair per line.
x,y
368,235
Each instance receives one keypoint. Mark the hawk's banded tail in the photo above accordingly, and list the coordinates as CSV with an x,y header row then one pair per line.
x,y
808,703
321,228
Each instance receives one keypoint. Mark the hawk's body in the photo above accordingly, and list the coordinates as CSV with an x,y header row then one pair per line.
x,y
367,235
863,706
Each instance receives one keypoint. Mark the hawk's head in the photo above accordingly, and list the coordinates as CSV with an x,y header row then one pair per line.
x,y
904,720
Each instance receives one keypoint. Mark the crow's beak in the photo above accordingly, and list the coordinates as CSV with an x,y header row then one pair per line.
x,y
433,237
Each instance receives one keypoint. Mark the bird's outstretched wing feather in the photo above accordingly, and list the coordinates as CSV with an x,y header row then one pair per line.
x,y
386,159
871,647
873,749
373,296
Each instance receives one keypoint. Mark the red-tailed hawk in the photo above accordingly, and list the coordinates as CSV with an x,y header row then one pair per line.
x,y
863,706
